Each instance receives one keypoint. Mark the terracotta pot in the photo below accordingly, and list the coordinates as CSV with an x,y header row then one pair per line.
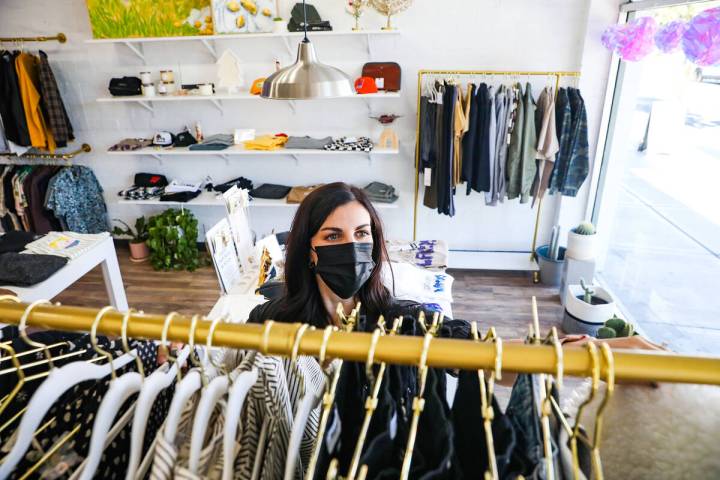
x,y
139,252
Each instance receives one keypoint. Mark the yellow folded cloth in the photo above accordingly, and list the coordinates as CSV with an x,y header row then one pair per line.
x,y
266,142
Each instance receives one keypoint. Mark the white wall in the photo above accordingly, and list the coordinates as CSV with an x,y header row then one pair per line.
x,y
451,34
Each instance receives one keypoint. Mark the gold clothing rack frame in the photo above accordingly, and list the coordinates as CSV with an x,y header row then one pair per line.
x,y
558,75
279,338
60,37
84,148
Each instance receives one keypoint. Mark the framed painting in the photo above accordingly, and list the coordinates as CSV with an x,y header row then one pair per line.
x,y
243,16
150,18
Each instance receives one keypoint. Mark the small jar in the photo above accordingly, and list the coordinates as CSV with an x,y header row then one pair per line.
x,y
206,89
167,76
148,90
161,88
145,78
169,87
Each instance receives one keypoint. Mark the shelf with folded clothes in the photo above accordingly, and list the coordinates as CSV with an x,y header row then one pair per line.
x,y
214,199
240,150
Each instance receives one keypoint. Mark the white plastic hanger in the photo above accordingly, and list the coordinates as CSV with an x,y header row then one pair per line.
x,y
158,381
211,395
57,383
236,398
309,401
119,391
189,385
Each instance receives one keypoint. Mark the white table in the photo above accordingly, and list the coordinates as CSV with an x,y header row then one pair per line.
x,y
103,254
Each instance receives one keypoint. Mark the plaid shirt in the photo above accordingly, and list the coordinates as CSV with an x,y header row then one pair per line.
x,y
52,103
573,160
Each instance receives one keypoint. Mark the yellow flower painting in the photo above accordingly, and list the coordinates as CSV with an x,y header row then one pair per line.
x,y
149,18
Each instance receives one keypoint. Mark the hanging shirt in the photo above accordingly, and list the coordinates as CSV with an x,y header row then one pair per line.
x,y
492,151
52,103
11,105
503,112
548,145
27,71
462,113
76,197
521,156
563,126
579,158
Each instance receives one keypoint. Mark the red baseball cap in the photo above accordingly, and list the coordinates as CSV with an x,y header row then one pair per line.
x,y
365,85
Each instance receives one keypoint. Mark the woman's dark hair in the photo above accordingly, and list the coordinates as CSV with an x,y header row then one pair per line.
x,y
302,302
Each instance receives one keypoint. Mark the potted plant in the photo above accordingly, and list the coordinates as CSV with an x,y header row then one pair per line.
x,y
172,238
139,251
551,269
616,327
587,308
581,242
279,25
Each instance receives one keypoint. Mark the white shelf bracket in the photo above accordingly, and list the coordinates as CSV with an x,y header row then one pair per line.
x,y
136,50
157,157
226,158
288,47
211,47
370,159
293,106
147,105
296,158
369,45
218,104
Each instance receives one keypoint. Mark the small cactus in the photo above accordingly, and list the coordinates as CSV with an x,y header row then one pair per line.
x,y
589,292
585,228
616,323
606,332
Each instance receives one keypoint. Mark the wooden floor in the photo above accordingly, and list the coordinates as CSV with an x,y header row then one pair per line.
x,y
493,298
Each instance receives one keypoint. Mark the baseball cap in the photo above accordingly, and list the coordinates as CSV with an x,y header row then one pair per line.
x,y
365,85
256,87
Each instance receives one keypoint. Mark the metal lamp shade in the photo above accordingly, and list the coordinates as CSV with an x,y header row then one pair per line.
x,y
307,78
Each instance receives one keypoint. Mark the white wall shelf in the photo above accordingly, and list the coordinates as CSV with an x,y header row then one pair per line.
x,y
136,44
240,151
213,199
217,99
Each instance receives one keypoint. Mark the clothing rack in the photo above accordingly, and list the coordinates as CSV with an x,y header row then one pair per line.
x,y
279,338
558,75
84,148
60,37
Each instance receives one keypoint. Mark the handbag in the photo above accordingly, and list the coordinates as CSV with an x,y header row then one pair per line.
x,y
387,75
125,86
270,191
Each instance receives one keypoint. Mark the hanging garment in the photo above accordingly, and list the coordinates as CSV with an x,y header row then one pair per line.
x,y
28,79
430,199
521,167
469,153
492,139
503,102
445,174
461,125
579,158
427,133
470,441
563,125
478,176
11,105
548,145
75,197
4,147
43,220
52,103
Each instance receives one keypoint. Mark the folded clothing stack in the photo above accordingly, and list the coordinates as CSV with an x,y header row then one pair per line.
x,y
380,192
266,142
241,182
27,270
145,187
298,194
308,143
220,141
15,241
65,244
351,144
183,192
270,191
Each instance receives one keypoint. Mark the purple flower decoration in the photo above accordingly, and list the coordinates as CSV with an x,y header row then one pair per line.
x,y
701,40
636,40
668,37
609,37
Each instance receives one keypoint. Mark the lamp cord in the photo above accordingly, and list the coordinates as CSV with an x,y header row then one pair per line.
x,y
305,40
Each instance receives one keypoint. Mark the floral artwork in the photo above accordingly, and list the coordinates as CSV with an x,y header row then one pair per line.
x,y
243,16
149,18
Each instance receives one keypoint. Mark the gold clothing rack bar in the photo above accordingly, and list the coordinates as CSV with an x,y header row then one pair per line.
x,y
446,353
60,37
84,148
518,73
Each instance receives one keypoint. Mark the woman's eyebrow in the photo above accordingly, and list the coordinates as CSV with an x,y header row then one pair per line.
x,y
364,225
332,229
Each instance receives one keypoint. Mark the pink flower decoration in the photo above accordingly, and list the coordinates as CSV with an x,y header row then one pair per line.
x,y
609,37
636,39
701,40
668,37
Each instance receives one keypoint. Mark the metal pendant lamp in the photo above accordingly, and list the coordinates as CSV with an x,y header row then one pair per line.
x,y
307,78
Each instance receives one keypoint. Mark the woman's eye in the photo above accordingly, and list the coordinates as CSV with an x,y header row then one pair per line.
x,y
332,237
362,234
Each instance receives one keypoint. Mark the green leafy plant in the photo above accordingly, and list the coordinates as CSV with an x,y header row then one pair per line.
x,y
620,327
589,292
139,235
173,240
277,19
585,228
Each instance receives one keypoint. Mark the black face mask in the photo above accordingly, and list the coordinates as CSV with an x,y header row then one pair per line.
x,y
344,267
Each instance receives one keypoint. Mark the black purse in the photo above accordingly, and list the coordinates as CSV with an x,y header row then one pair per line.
x,y
125,86
314,22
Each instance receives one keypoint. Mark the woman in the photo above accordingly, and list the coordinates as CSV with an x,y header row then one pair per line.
x,y
335,252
